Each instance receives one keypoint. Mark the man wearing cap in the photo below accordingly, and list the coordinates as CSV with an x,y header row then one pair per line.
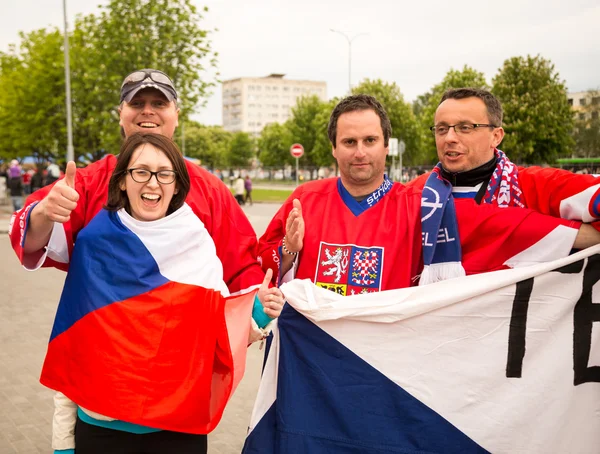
x,y
43,232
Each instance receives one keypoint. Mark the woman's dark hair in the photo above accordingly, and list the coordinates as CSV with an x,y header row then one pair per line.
x,y
117,198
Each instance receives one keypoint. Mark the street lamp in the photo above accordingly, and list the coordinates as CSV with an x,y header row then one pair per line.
x,y
349,54
70,151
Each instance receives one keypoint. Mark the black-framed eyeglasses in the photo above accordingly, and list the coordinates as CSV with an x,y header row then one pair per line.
x,y
144,175
459,128
156,76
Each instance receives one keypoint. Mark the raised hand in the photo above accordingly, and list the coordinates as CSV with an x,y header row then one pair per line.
x,y
271,298
62,198
294,228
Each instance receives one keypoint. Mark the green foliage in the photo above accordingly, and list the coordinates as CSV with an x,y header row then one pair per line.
x,y
274,145
32,99
104,47
210,144
427,104
402,118
241,150
587,129
537,117
308,126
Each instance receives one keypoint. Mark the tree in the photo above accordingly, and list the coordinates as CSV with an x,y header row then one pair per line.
x,y
427,104
308,126
32,99
274,145
123,37
321,154
209,144
537,117
241,150
587,126
402,118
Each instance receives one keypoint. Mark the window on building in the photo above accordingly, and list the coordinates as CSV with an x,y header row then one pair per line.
x,y
595,115
582,102
596,100
582,116
570,101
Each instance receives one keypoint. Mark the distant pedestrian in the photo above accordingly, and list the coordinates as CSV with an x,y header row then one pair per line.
x,y
248,188
238,189
15,184
37,180
27,182
53,173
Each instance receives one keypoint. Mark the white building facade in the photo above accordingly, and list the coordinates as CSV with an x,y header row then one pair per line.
x,y
251,103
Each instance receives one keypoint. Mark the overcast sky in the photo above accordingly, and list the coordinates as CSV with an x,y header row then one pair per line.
x,y
412,44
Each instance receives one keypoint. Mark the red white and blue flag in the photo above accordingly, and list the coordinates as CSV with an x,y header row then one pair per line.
x,y
144,330
502,362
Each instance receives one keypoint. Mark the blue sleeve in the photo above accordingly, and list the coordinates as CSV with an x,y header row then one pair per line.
x,y
64,451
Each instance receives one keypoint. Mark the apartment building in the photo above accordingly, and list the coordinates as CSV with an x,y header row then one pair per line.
x,y
251,103
586,104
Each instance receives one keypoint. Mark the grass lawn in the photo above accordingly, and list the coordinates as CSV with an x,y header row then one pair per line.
x,y
270,195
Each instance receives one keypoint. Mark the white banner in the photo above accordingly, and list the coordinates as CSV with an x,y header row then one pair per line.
x,y
501,362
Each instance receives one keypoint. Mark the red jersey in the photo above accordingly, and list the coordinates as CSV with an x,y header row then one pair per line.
x,y
555,192
380,248
209,198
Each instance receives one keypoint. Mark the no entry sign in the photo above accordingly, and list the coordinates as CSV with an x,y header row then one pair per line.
x,y
296,150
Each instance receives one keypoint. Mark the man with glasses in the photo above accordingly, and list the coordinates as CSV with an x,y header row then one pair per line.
x,y
43,232
468,130
363,233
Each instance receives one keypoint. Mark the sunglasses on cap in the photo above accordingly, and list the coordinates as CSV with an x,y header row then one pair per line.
x,y
156,76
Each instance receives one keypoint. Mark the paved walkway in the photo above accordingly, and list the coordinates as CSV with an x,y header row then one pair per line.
x,y
27,307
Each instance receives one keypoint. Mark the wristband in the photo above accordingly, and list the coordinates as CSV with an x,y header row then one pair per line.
x,y
258,313
286,250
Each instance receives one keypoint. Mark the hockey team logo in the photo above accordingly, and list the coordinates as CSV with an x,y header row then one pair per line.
x,y
348,269
426,203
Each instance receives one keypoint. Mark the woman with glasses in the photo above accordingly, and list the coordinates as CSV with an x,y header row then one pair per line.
x,y
142,342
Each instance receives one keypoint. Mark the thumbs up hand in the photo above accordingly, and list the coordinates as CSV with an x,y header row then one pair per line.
x,y
271,298
62,198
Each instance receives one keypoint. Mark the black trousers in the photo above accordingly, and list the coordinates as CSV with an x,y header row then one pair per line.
x,y
91,439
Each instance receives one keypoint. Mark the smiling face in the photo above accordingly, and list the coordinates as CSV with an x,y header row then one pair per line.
x,y
148,201
360,151
460,153
149,111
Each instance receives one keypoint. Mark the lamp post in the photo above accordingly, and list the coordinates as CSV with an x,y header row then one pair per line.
x,y
70,151
349,54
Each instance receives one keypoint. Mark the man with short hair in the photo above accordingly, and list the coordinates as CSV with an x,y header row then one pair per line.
x,y
468,130
43,232
364,233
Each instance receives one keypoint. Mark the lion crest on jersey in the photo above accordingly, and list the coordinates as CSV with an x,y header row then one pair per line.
x,y
349,269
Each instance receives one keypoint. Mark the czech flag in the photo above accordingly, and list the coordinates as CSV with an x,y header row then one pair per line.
x,y
144,331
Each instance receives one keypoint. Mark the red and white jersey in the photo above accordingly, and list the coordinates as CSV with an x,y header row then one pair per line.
x,y
210,200
380,248
555,192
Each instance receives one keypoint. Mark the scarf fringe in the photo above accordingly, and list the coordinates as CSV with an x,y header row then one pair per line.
x,y
440,272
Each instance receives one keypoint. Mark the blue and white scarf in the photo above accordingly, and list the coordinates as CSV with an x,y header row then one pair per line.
x,y
439,229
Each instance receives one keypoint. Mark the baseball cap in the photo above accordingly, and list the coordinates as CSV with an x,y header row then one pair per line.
x,y
147,78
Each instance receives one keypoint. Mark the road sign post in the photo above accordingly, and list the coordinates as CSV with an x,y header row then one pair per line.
x,y
393,152
401,149
297,151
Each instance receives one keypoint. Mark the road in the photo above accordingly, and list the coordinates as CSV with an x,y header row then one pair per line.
x,y
27,306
